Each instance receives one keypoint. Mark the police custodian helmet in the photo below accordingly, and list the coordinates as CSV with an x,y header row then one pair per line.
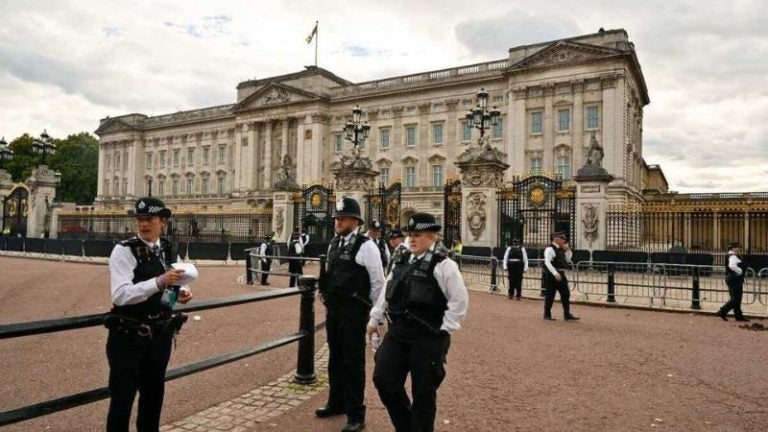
x,y
150,206
422,222
347,206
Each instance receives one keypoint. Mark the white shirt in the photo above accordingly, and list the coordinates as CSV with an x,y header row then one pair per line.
x,y
733,263
549,255
298,247
386,248
525,258
263,251
121,266
368,256
304,239
451,283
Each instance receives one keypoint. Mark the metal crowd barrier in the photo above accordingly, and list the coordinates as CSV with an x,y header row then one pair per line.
x,y
305,362
254,266
479,272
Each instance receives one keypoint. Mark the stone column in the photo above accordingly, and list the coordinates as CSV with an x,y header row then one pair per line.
x,y
282,215
268,155
517,131
301,146
592,201
548,123
238,162
284,140
42,191
482,173
577,125
6,187
354,178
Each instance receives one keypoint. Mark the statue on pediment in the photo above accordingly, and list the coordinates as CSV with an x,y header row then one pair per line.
x,y
595,154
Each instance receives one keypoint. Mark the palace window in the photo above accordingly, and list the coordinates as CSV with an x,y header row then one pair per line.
x,y
125,186
593,118
535,163
384,138
148,192
206,186
149,160
176,157
437,175
536,122
564,120
117,161
206,155
175,187
410,177
125,161
410,136
466,132
384,176
108,163
162,159
498,130
161,187
337,143
222,154
563,167
222,188
190,185
437,133
190,156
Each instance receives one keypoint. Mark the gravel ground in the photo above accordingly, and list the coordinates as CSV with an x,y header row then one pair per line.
x,y
508,370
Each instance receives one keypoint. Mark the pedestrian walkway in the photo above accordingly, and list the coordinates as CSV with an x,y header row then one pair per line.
x,y
257,406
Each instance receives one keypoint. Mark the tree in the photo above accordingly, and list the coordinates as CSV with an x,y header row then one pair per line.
x,y
24,160
77,158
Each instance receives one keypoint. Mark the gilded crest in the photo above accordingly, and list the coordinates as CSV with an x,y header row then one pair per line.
x,y
316,200
537,196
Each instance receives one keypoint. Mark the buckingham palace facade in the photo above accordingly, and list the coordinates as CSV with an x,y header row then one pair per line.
x,y
553,97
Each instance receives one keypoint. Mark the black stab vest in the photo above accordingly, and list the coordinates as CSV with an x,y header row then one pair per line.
x,y
413,289
347,278
742,266
148,266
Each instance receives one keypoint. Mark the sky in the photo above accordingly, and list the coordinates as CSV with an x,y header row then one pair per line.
x,y
66,64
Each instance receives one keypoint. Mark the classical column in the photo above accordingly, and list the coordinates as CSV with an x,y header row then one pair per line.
x,y
268,155
252,160
136,170
548,126
239,151
42,191
610,122
284,140
102,172
517,131
716,231
317,155
577,124
302,165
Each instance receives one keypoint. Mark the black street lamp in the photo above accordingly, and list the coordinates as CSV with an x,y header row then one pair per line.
x,y
6,154
356,131
43,146
480,117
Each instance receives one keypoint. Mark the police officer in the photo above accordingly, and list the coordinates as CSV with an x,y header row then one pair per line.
x,y
374,233
557,256
515,264
398,247
295,250
304,238
734,278
425,300
142,324
266,251
352,282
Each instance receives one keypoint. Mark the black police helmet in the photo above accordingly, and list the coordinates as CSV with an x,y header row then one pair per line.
x,y
151,206
396,233
423,222
734,244
347,206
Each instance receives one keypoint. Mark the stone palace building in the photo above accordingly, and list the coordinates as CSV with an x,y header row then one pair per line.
x,y
553,96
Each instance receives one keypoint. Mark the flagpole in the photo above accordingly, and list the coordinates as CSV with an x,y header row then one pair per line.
x,y
317,36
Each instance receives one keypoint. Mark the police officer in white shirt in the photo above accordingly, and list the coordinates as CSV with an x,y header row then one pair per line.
x,y
425,300
142,323
266,252
735,270
557,257
398,246
515,264
295,250
374,233
352,282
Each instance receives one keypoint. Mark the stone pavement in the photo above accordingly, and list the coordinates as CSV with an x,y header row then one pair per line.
x,y
257,406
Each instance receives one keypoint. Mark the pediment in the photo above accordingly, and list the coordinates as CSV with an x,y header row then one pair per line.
x,y
275,94
436,157
114,126
564,52
409,160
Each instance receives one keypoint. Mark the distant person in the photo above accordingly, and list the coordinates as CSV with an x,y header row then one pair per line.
x,y
397,244
456,250
515,264
266,252
557,256
374,233
295,250
735,270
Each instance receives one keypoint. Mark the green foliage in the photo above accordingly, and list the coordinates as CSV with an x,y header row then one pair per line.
x,y
77,158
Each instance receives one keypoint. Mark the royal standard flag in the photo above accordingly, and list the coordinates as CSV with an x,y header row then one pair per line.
x,y
312,35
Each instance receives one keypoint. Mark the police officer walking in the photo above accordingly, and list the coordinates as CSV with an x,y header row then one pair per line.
x,y
266,251
350,285
374,233
295,250
735,271
142,323
515,264
557,256
398,247
425,300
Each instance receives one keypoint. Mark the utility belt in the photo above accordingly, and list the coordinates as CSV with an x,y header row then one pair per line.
x,y
515,260
407,319
169,323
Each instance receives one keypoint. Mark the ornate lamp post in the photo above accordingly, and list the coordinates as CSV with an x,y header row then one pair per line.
x,y
43,146
6,154
356,131
480,117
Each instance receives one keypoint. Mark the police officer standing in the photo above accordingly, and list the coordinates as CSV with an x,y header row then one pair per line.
x,y
374,233
515,263
295,250
557,256
735,270
396,238
425,300
142,323
350,285
266,251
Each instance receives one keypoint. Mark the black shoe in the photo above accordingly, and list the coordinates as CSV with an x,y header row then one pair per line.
x,y
353,426
517,298
742,319
549,318
571,317
327,411
509,297
722,315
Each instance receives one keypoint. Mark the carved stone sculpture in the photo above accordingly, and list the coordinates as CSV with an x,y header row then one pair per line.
x,y
476,214
590,222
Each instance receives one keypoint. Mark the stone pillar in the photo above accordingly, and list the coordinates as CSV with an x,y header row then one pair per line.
x,y
592,201
548,125
239,151
6,187
282,215
482,173
577,124
268,155
517,131
354,178
42,191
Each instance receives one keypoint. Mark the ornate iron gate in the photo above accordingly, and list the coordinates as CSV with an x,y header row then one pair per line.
x,y
452,211
384,206
313,212
532,208
15,212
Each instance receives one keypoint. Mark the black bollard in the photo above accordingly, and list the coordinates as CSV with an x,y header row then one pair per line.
x,y
305,361
696,294
611,283
494,282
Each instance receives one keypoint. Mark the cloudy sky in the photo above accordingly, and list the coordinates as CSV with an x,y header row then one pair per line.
x,y
66,64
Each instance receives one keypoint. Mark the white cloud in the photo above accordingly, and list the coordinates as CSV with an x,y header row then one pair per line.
x,y
66,64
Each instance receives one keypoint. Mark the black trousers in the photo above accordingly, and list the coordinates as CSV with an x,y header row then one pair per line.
x,y
294,267
345,326
736,291
515,279
424,359
551,285
265,266
136,363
